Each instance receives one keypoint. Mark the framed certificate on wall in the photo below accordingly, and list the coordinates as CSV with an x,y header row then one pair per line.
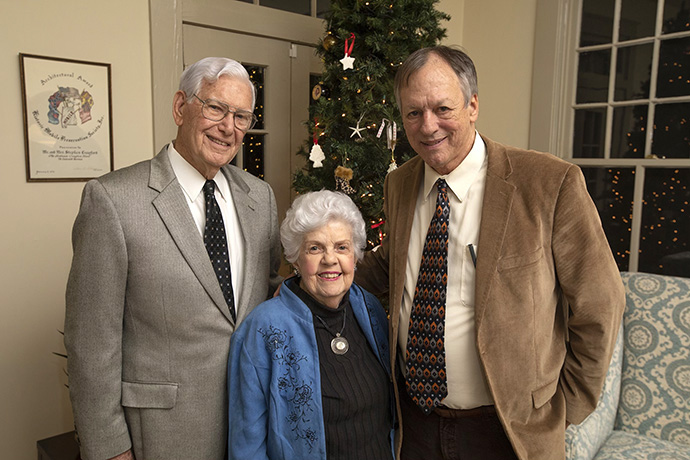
x,y
67,118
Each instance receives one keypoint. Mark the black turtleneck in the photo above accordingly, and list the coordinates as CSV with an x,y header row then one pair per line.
x,y
355,389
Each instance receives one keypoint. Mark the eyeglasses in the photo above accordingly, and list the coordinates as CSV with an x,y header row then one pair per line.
x,y
215,110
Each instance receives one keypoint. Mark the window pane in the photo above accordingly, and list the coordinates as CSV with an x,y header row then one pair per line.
x,y
322,8
588,139
612,192
674,68
253,154
676,16
638,18
672,131
633,68
629,128
665,222
597,22
593,76
293,6
257,75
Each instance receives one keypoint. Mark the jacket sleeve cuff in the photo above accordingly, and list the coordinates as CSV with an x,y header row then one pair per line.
x,y
105,449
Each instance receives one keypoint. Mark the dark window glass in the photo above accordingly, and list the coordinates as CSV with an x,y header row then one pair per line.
x,y
589,136
257,75
611,190
665,229
638,18
628,132
593,76
674,68
676,16
293,6
597,22
253,154
672,131
322,8
633,67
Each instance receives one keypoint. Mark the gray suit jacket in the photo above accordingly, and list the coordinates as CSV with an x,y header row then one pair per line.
x,y
147,330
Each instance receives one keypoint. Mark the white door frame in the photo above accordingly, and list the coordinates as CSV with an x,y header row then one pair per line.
x,y
167,17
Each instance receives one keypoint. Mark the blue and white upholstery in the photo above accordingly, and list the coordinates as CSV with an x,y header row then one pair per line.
x,y
644,409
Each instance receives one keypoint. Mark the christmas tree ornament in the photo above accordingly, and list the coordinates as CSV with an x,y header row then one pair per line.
x,y
357,129
348,60
319,91
328,41
391,139
391,132
316,154
316,92
343,176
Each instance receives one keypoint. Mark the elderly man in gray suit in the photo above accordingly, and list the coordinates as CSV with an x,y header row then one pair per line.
x,y
170,255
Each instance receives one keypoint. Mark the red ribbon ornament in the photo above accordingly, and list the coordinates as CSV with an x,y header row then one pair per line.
x,y
316,131
349,45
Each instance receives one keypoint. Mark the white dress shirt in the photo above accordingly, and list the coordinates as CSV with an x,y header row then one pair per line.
x,y
192,183
466,384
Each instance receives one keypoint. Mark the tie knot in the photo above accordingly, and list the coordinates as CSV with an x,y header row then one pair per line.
x,y
442,185
209,188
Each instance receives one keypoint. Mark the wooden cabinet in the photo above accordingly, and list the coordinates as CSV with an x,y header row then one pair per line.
x,y
61,447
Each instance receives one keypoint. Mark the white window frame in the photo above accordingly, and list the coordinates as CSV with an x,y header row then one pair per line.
x,y
312,8
554,91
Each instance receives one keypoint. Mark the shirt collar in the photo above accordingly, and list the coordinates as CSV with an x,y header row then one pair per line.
x,y
463,176
191,180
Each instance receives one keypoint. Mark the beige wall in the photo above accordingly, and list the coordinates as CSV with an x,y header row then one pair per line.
x,y
454,27
499,37
37,217
35,238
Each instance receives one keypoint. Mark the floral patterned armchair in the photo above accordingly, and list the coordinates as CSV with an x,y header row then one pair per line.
x,y
644,409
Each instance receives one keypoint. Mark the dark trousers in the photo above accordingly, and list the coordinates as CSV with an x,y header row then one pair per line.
x,y
446,434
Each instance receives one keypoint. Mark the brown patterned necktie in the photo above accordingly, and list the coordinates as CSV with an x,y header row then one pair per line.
x,y
426,355
217,244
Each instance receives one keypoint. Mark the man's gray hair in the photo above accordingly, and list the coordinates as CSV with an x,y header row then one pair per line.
x,y
457,59
313,210
209,70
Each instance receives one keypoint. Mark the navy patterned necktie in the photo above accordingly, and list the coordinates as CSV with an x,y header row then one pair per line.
x,y
426,355
217,244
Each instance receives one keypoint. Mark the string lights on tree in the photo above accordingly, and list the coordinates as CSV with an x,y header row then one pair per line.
x,y
364,44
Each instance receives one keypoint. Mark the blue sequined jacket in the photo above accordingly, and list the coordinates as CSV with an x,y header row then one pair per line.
x,y
274,385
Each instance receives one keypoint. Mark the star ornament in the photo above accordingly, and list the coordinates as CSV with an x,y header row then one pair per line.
x,y
357,130
347,62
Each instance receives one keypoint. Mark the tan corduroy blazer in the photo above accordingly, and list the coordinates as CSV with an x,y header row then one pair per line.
x,y
549,298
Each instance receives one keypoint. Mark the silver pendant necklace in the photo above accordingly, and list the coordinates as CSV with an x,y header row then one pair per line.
x,y
339,344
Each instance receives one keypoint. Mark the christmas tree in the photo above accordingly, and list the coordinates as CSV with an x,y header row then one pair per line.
x,y
356,131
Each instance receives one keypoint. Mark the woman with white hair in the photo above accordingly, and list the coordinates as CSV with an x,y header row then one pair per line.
x,y
308,374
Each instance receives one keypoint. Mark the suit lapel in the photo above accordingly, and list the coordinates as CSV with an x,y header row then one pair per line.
x,y
246,208
173,210
498,199
406,189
